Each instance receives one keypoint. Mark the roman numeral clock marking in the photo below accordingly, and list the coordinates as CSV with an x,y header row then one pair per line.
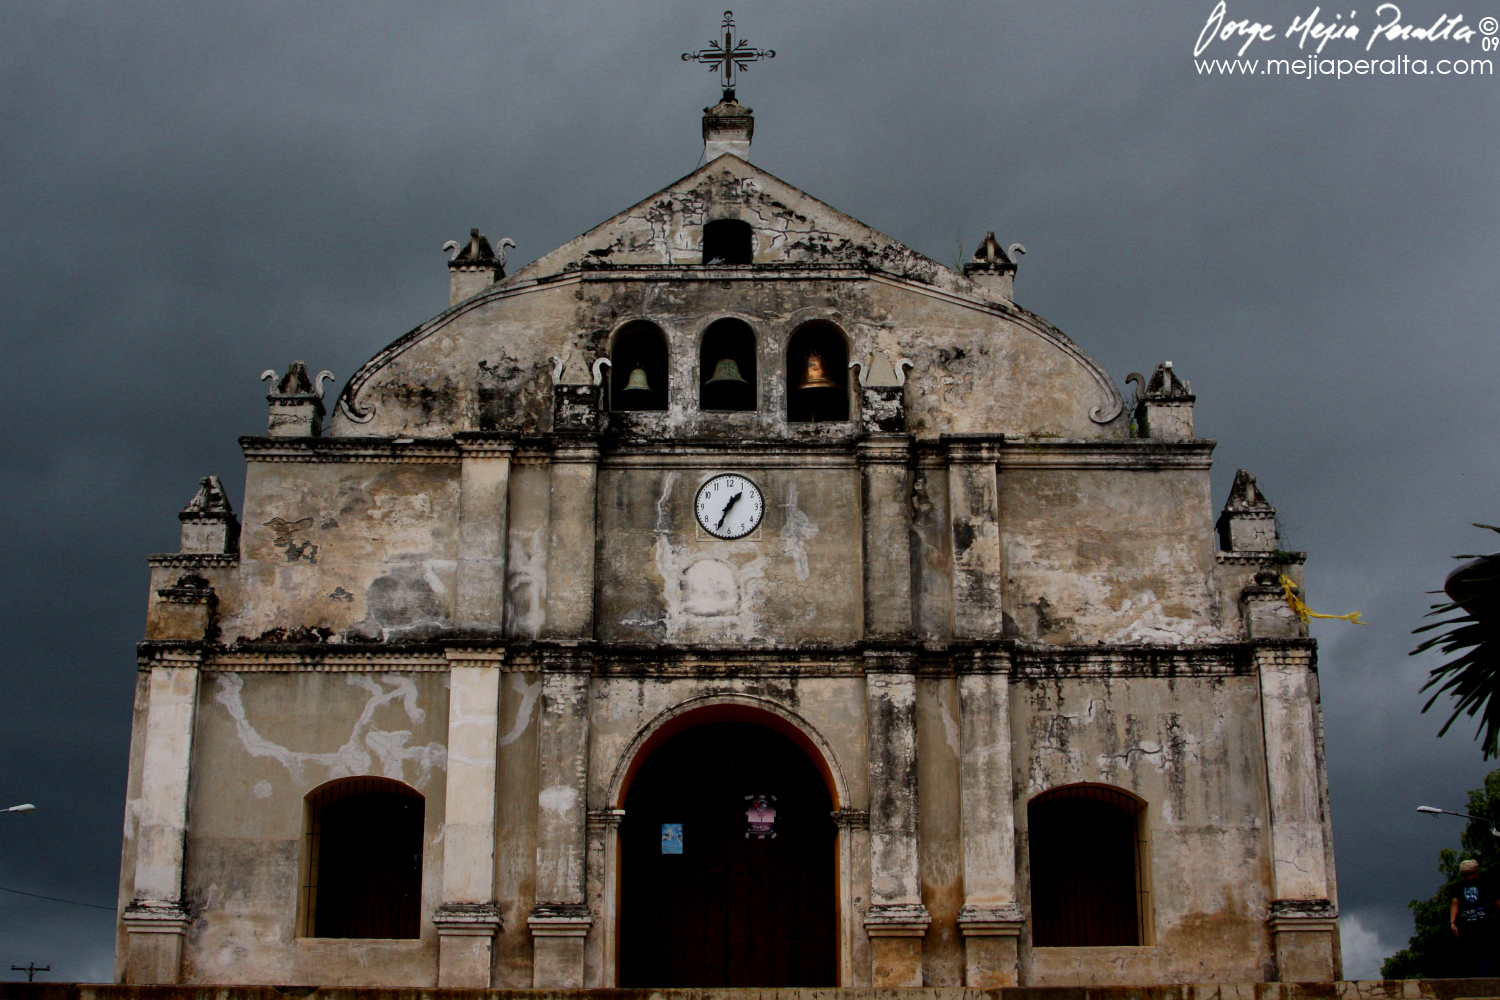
x,y
729,506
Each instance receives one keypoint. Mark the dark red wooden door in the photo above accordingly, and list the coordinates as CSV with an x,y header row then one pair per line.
x,y
730,910
1084,871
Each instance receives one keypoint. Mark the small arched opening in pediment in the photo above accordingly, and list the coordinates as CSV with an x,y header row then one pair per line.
x,y
726,367
817,374
638,371
728,241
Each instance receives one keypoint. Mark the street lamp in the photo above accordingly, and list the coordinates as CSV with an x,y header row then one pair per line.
x,y
24,807
1434,810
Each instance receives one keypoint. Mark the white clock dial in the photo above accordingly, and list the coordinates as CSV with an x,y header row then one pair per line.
x,y
729,506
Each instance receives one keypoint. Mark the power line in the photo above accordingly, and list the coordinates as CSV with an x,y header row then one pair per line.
x,y
72,902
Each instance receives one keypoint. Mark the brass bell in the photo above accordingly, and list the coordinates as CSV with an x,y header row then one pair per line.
x,y
816,376
726,371
637,381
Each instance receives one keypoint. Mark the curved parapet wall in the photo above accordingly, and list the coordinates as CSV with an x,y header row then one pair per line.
x,y
979,363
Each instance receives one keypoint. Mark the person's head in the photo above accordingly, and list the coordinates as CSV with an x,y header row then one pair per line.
x,y
1469,868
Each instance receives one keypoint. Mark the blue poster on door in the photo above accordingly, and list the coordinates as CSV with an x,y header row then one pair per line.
x,y
671,838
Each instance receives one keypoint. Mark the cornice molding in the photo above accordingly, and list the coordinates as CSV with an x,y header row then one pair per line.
x,y
1257,558
1117,453
193,560
384,450
1022,661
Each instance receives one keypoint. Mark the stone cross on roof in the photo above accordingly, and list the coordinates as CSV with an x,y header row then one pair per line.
x,y
728,56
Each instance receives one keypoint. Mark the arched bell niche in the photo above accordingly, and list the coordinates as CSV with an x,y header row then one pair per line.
x,y
726,367
638,368
728,241
817,374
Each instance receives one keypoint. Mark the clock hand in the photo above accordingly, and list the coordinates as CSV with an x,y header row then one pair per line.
x,y
732,501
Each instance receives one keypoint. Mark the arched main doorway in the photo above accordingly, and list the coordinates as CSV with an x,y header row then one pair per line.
x,y
736,906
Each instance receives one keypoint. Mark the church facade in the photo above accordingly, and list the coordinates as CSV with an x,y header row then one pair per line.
x,y
730,597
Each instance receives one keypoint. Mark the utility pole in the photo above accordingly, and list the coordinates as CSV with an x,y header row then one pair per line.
x,y
31,969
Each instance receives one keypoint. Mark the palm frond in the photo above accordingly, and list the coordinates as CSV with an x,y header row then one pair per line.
x,y
1471,636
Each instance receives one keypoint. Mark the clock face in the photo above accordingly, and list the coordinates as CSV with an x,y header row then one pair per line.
x,y
729,506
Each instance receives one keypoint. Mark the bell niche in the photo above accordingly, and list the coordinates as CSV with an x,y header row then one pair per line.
x,y
638,368
726,367
817,375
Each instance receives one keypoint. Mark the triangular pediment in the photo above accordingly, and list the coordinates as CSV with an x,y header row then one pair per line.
x,y
789,227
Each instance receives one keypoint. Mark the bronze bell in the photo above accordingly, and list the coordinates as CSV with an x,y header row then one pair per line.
x,y
637,381
726,371
815,376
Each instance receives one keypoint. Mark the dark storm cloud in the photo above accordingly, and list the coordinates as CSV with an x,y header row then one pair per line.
x,y
191,193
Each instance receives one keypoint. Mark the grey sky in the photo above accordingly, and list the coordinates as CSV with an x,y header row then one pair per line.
x,y
191,193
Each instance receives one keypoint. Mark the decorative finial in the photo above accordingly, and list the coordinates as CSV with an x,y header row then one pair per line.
x,y
478,253
728,56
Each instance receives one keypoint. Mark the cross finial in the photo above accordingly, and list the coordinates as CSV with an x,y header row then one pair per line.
x,y
728,55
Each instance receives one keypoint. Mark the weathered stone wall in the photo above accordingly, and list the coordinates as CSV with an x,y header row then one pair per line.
x,y
362,547
1400,989
1110,546
264,741
1191,748
980,592
941,825
979,362
794,580
487,363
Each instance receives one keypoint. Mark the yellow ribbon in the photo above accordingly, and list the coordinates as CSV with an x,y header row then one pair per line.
x,y
1304,612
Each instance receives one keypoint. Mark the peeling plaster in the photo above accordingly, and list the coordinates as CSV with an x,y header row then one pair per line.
x,y
559,799
354,757
529,694
1156,626
796,529
949,713
528,581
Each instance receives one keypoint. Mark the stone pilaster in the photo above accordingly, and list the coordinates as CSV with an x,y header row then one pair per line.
x,y
885,475
185,611
896,920
990,919
601,953
1265,611
570,557
483,509
468,919
1303,917
974,518
560,920
157,919
854,874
